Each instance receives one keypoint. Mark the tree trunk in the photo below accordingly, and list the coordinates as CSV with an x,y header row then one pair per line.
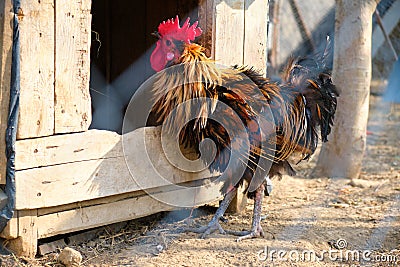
x,y
342,156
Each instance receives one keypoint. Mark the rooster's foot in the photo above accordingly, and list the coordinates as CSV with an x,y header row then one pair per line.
x,y
214,225
208,229
255,232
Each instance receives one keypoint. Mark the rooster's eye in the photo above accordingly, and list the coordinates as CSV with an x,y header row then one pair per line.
x,y
168,42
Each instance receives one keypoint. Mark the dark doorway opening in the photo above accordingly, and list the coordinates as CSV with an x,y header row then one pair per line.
x,y
120,52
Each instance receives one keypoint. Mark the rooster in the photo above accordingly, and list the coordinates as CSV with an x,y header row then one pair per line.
x,y
280,120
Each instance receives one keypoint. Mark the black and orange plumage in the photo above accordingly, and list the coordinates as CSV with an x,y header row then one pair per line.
x,y
202,101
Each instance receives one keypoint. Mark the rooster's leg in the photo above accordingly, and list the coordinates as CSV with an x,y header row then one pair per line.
x,y
214,225
256,229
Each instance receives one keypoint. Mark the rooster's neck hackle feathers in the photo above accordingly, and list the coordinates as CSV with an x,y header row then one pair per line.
x,y
194,77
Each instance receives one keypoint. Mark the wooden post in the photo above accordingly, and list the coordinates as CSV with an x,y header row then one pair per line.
x,y
26,242
239,203
6,33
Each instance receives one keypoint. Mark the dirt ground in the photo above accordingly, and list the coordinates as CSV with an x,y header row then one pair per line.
x,y
308,221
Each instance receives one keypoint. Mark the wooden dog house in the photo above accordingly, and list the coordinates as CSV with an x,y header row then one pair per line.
x,y
69,177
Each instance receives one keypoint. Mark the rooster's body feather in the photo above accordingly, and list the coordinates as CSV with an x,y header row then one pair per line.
x,y
280,119
302,106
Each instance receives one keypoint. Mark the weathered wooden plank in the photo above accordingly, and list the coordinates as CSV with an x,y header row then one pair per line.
x,y
119,197
255,38
67,183
6,34
89,179
93,216
58,149
89,145
72,99
229,31
36,112
92,202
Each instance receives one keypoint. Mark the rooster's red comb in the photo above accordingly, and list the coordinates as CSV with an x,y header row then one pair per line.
x,y
185,33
